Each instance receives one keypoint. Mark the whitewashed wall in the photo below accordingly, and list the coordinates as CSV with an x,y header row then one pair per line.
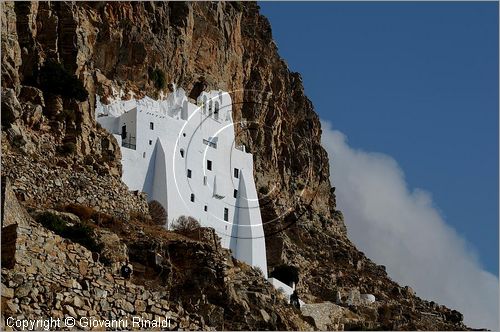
x,y
157,167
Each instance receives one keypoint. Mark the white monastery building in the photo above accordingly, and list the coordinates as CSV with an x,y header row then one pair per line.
x,y
183,155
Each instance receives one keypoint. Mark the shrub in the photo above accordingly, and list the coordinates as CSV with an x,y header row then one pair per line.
x,y
67,148
287,274
79,233
158,78
185,224
52,222
264,190
82,234
55,79
157,213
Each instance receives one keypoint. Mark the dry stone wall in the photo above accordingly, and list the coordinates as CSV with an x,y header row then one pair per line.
x,y
53,277
47,184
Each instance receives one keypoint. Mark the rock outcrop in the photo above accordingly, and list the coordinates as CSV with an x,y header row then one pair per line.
x,y
56,155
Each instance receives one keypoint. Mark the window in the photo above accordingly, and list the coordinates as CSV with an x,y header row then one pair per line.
x,y
216,111
150,142
184,134
226,214
235,193
205,180
210,143
192,197
236,173
189,173
124,131
151,126
209,165
205,208
144,155
182,153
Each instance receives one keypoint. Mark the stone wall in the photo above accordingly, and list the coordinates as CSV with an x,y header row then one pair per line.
x,y
56,278
49,183
53,277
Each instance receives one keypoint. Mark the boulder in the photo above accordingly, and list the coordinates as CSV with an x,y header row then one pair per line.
x,y
368,298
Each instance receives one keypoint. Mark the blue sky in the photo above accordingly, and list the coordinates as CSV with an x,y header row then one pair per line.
x,y
415,81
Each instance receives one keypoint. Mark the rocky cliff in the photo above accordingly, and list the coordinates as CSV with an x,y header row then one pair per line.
x,y
57,56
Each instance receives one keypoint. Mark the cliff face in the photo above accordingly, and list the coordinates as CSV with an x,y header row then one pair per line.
x,y
219,45
137,47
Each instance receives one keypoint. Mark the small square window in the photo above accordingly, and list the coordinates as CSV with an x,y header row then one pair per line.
x,y
192,197
209,165
236,173
151,126
150,142
235,193
189,173
206,208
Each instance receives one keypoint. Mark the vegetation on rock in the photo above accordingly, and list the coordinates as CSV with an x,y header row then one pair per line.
x,y
158,78
185,224
157,213
80,233
67,148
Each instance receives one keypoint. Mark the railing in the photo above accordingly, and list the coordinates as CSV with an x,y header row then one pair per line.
x,y
129,143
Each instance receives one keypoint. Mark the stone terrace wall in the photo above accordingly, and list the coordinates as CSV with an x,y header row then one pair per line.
x,y
56,278
45,184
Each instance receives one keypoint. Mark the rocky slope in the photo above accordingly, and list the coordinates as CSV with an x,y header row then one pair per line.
x,y
55,154
194,283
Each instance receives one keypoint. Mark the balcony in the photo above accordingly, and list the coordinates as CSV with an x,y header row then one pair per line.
x,y
129,143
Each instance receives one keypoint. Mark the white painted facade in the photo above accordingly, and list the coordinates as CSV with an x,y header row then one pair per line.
x,y
183,155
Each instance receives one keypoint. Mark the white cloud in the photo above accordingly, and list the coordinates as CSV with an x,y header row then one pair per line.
x,y
401,229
